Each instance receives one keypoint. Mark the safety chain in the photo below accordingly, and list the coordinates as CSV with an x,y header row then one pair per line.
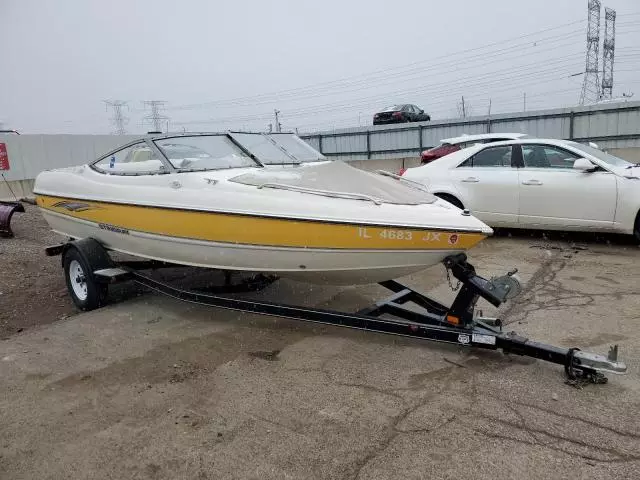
x,y
450,282
579,378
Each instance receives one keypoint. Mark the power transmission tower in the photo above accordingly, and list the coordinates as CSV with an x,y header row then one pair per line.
x,y
591,85
278,125
608,50
118,119
155,117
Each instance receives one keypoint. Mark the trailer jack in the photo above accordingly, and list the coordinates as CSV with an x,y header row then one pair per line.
x,y
458,324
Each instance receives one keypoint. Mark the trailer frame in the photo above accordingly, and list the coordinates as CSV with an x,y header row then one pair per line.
x,y
458,324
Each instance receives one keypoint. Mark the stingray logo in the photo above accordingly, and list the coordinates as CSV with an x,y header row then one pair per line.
x,y
113,228
74,206
453,239
464,339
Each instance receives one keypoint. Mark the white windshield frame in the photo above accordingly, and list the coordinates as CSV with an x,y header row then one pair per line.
x,y
290,157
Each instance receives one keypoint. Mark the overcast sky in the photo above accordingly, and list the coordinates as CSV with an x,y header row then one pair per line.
x,y
324,65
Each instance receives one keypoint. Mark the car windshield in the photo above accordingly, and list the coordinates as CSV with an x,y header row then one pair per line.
x,y
600,155
203,152
392,108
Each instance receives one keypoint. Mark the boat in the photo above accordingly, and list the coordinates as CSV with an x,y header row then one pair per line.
x,y
254,202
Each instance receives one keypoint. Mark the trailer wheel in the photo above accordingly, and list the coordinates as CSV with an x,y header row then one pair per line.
x,y
636,228
78,265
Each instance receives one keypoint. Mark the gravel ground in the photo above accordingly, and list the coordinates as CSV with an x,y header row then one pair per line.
x,y
152,388
32,287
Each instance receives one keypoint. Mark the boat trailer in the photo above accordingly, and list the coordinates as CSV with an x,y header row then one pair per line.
x,y
89,269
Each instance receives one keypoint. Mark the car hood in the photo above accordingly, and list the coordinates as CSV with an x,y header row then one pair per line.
x,y
626,171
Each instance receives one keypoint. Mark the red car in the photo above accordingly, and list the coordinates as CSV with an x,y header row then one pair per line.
x,y
450,145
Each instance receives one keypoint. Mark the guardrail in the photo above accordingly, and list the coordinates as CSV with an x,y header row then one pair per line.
x,y
615,125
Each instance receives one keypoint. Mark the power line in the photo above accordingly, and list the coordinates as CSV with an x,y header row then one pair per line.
x,y
487,81
379,95
377,73
434,70
553,74
497,77
118,119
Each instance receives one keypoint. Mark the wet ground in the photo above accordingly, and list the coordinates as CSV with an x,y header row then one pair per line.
x,y
152,388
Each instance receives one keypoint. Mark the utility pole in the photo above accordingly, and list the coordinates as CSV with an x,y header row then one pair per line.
x,y
608,50
464,111
118,120
524,101
590,85
154,117
278,126
489,112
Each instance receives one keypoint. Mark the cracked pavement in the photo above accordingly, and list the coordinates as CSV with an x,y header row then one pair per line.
x,y
151,388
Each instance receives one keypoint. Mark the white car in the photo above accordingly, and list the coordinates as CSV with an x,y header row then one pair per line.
x,y
539,184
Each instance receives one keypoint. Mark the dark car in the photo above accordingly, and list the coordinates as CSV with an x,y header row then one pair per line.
x,y
400,114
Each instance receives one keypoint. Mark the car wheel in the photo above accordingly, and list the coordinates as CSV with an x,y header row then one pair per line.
x,y
451,199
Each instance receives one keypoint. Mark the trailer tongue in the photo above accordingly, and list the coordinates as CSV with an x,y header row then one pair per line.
x,y
93,270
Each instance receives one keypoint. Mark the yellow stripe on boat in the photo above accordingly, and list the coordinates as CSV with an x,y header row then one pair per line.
x,y
255,230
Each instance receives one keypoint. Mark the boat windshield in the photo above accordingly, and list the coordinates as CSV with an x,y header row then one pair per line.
x,y
278,148
204,152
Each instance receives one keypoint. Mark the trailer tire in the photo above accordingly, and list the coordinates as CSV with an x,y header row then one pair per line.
x,y
79,260
636,228
451,199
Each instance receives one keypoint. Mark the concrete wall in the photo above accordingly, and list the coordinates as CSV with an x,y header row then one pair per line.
x,y
630,154
31,154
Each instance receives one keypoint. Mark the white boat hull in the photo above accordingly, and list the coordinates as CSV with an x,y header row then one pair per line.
x,y
314,265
